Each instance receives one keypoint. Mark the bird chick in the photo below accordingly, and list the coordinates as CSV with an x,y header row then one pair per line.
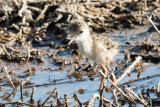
x,y
100,49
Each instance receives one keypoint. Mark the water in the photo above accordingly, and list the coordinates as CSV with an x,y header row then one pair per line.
x,y
65,86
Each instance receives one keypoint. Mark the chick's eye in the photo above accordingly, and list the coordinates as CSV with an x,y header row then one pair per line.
x,y
81,32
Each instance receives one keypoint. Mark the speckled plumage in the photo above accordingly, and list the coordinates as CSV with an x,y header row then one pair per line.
x,y
97,48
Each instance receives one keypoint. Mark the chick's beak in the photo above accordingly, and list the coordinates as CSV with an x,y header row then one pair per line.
x,y
72,40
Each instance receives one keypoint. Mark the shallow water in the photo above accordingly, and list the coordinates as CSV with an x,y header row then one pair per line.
x,y
65,86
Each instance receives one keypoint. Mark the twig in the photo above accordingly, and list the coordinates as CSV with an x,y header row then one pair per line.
x,y
52,94
115,98
155,27
140,95
39,103
31,99
5,70
141,100
41,15
88,2
8,55
150,102
21,87
26,80
18,102
115,86
91,101
21,90
12,93
148,90
123,94
158,86
128,69
107,101
101,97
139,74
24,7
134,80
56,97
16,3
77,99
66,101
28,54
100,71
32,92
34,8
7,19
130,95
145,3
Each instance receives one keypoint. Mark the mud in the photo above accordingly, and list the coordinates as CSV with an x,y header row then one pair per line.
x,y
45,71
